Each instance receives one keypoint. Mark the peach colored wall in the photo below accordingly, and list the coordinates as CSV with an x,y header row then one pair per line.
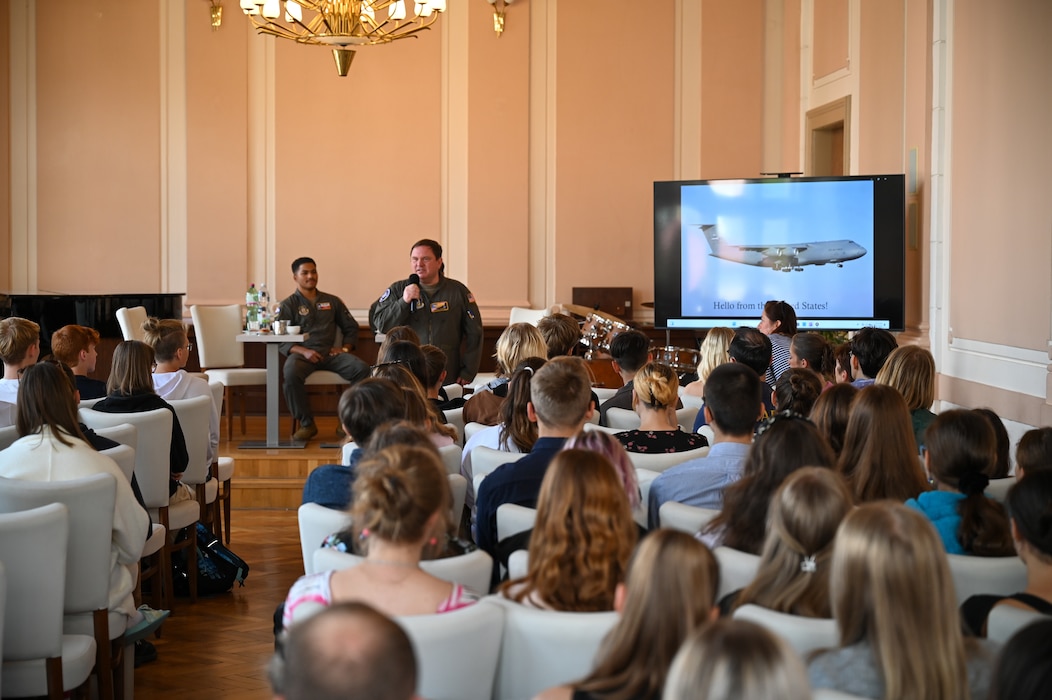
x,y
5,151
917,124
217,158
732,89
830,49
791,160
882,98
357,163
614,138
498,157
1000,243
98,150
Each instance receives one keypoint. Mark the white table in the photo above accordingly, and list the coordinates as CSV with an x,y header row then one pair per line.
x,y
273,386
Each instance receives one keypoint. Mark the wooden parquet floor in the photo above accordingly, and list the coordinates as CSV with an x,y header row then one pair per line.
x,y
219,647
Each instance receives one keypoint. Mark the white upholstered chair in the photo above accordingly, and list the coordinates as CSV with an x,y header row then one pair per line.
x,y
544,648
223,358
316,523
737,569
804,634
603,393
513,519
685,418
455,417
622,418
1005,620
458,489
998,488
194,418
471,570
38,658
456,652
661,461
518,564
223,467
521,315
680,516
485,459
90,503
8,434
451,455
130,319
975,575
471,428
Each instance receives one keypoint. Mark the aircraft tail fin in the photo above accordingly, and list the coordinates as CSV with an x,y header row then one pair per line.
x,y
712,237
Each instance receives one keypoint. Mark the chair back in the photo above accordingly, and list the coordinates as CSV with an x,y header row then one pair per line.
x,y
998,488
124,433
215,328
33,548
153,437
217,388
88,403
680,516
1005,620
513,519
130,319
804,634
737,569
453,391
522,315
976,575
603,393
124,456
602,428
485,459
622,418
471,428
518,564
451,456
471,570
456,652
661,461
690,401
124,453
455,417
544,648
316,523
685,417
8,434
90,504
195,417
832,694
458,488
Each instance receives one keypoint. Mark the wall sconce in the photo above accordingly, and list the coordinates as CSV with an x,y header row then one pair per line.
x,y
216,9
499,8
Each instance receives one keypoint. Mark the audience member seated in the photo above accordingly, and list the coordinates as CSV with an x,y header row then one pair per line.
x,y
1034,452
582,540
130,390
561,334
348,651
418,410
672,581
560,405
435,364
893,601
400,508
879,457
52,448
409,355
19,348
796,391
515,344
1002,465
831,413
363,407
778,322
713,353
171,351
1030,506
75,346
655,391
1023,671
732,659
751,348
396,334
960,450
732,404
842,364
812,351
910,370
802,521
785,443
869,350
629,351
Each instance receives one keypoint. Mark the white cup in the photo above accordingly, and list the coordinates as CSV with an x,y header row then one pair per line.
x,y
292,330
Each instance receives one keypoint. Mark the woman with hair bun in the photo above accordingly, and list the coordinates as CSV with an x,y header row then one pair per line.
x,y
1030,507
655,391
778,322
961,447
582,540
399,509
797,390
714,351
793,576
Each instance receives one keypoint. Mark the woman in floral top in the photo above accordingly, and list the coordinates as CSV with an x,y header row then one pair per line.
x,y
655,390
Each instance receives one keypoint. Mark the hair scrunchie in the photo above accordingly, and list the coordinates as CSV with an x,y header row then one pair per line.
x,y
972,484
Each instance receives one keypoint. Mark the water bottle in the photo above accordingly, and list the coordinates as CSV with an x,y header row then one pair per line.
x,y
252,308
264,307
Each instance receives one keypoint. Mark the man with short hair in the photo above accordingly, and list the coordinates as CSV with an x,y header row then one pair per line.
x,y
732,404
869,350
75,346
19,348
560,404
441,310
751,348
348,651
561,334
318,315
629,351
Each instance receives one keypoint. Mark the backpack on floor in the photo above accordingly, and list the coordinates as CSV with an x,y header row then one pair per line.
x,y
218,568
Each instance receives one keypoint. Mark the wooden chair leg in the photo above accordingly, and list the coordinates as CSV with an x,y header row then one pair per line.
x,y
54,678
228,405
242,393
103,654
226,510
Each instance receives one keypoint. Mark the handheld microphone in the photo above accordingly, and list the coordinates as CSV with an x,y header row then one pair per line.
x,y
415,303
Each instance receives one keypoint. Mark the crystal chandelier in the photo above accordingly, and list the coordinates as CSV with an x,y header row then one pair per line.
x,y
341,24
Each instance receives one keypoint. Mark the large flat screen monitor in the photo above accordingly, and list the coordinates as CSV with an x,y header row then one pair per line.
x,y
831,247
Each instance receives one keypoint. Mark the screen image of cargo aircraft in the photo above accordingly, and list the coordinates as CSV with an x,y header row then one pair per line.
x,y
786,257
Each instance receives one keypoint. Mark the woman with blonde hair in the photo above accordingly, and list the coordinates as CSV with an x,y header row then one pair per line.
x,y
582,540
879,457
793,576
732,659
669,592
714,352
515,344
400,509
655,391
911,370
894,604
